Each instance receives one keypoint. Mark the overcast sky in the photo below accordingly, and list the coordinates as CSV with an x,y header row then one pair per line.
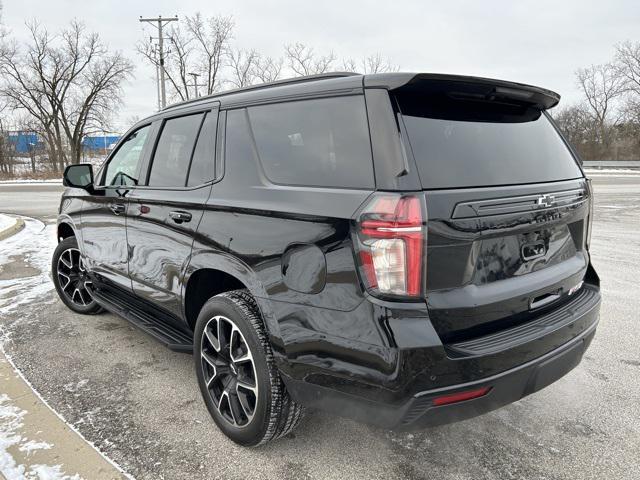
x,y
540,42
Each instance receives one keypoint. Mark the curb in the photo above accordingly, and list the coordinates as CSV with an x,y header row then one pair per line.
x,y
13,229
55,445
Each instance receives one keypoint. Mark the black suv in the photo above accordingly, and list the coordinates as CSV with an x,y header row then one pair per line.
x,y
403,249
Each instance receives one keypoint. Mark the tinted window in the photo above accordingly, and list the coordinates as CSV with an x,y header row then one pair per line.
x,y
173,152
464,144
238,148
203,162
322,142
123,166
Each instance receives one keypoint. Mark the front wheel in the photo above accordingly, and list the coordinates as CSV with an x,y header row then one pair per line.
x,y
70,278
236,372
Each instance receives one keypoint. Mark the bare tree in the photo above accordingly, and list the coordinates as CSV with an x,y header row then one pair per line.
x,y
302,60
378,64
350,65
69,83
578,126
212,36
176,61
628,64
5,154
202,47
375,63
243,66
601,85
266,69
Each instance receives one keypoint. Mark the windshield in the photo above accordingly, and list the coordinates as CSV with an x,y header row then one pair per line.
x,y
467,144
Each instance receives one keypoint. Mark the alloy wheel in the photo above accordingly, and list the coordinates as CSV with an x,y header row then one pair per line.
x,y
72,276
229,371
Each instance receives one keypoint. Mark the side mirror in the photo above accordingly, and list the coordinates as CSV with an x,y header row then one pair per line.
x,y
78,176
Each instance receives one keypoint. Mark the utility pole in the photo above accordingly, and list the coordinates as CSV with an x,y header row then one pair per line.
x,y
160,24
195,82
159,95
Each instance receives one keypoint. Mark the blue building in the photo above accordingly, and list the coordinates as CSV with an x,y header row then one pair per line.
x,y
99,142
25,142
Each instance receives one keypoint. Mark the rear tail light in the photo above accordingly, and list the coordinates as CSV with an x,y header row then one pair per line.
x,y
390,243
590,219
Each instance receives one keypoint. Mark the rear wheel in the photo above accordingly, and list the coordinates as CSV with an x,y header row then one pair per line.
x,y
70,278
236,372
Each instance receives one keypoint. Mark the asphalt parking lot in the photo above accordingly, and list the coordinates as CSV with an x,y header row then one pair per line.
x,y
139,402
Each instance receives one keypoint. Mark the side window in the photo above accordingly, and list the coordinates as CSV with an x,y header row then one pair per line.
x,y
202,168
238,148
123,165
173,151
320,142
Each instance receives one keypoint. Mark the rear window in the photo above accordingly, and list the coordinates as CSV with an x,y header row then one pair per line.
x,y
320,142
460,143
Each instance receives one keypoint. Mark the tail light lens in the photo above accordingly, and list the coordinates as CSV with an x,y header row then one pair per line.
x,y
390,239
590,219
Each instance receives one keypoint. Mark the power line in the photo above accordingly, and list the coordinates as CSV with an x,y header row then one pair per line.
x,y
160,23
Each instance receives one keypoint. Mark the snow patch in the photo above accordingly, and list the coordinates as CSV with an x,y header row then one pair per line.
x,y
11,422
612,172
31,181
48,472
32,445
6,221
36,242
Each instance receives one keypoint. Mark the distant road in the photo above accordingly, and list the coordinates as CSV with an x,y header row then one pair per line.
x,y
31,199
41,200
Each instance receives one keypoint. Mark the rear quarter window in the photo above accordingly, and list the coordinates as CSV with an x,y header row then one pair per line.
x,y
320,142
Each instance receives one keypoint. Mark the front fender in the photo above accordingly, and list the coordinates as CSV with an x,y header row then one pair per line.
x,y
68,219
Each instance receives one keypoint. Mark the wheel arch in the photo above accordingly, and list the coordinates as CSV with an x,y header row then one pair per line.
x,y
211,273
65,230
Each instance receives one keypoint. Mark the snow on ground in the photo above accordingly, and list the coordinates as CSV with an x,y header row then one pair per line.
x,y
35,242
32,445
29,180
10,426
627,172
6,221
11,423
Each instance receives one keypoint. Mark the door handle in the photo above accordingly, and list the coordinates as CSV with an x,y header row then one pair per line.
x,y
117,208
179,216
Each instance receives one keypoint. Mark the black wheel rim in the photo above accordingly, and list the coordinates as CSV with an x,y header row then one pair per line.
x,y
72,277
229,371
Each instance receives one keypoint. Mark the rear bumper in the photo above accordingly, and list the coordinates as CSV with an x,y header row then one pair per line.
x,y
420,412
403,397
505,388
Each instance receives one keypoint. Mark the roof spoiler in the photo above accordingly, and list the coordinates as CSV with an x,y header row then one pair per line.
x,y
466,88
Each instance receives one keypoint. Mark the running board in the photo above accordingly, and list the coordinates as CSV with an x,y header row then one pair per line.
x,y
158,325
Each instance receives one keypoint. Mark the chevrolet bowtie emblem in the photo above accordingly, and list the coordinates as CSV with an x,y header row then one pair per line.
x,y
546,201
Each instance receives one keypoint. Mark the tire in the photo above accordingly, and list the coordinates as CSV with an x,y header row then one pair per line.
x,y
71,282
274,413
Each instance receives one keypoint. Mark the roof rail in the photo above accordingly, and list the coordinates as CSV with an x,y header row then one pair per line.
x,y
276,83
